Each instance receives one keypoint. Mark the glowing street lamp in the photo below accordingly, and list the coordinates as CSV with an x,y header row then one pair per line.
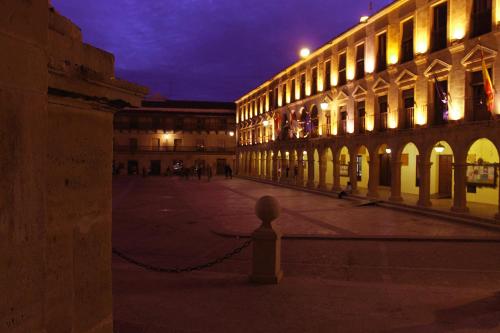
x,y
439,148
265,123
324,106
231,133
363,19
305,52
388,150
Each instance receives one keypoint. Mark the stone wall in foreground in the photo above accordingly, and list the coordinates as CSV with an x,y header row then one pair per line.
x,y
57,99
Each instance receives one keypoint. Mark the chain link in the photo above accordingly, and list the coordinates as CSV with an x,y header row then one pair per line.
x,y
159,269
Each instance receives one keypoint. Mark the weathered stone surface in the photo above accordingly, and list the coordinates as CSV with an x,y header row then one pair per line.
x,y
56,152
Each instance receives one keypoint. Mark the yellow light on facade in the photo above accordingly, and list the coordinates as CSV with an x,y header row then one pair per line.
x,y
454,113
304,52
363,19
350,127
165,136
265,123
369,65
304,152
350,73
421,45
231,133
458,33
393,59
420,118
324,106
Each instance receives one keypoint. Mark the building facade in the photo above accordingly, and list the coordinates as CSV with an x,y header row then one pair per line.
x,y
397,106
163,137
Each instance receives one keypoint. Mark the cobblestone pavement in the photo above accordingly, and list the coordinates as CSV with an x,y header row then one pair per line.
x,y
433,276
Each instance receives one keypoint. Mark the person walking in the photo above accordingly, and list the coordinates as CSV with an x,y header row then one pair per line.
x,y
226,171
230,172
295,172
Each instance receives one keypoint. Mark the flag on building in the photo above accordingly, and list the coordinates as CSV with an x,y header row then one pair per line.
x,y
444,98
489,91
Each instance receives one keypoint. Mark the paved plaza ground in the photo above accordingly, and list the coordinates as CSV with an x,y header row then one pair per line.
x,y
348,267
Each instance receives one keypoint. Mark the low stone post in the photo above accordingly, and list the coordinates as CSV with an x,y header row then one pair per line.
x,y
266,261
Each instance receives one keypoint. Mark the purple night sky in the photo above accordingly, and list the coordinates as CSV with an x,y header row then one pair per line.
x,y
209,49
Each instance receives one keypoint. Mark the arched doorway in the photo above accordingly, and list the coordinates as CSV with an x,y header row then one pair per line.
x,y
362,168
305,164
344,160
482,173
410,174
441,171
384,153
316,168
329,168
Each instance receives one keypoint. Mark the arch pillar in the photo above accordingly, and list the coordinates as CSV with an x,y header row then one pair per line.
x,y
424,190
300,175
268,166
292,163
262,165
497,216
322,169
373,175
353,177
336,176
396,180
310,168
284,164
460,183
274,175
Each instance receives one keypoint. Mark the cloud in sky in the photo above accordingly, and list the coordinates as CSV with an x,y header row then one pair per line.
x,y
208,49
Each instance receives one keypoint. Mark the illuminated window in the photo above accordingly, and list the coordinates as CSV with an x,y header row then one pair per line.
x,y
407,41
440,27
360,61
383,111
328,72
283,95
382,52
360,106
302,86
481,17
314,83
342,69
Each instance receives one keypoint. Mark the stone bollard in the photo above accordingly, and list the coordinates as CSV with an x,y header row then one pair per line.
x,y
266,261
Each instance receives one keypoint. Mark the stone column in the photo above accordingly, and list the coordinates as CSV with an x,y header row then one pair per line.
x,y
284,164
353,178
300,176
424,191
497,216
322,171
275,168
262,166
292,162
373,177
460,195
269,175
336,176
310,169
396,180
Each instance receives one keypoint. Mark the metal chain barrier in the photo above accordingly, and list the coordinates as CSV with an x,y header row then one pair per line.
x,y
159,269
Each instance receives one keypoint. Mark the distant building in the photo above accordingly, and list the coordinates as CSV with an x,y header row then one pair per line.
x,y
162,137
397,106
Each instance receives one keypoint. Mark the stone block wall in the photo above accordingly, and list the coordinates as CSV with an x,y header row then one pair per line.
x,y
57,99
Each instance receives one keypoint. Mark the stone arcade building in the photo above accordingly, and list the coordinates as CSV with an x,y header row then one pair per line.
x,y
396,106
